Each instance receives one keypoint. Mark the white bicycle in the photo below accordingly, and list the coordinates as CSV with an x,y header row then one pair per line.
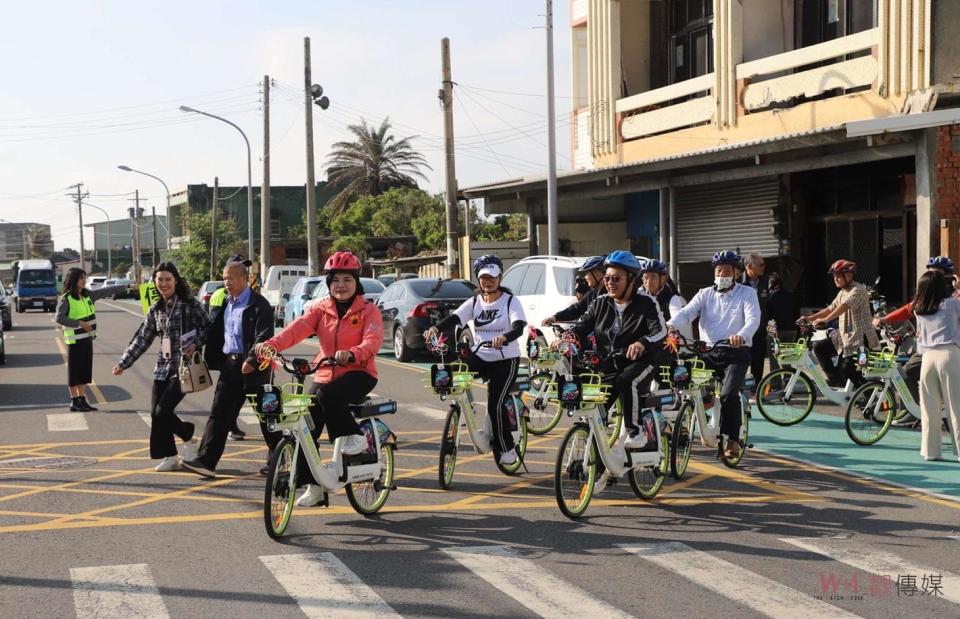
x,y
884,397
367,477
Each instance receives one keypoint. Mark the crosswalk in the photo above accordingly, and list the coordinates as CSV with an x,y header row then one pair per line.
x,y
323,585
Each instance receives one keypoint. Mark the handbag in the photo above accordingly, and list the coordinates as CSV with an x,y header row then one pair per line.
x,y
194,375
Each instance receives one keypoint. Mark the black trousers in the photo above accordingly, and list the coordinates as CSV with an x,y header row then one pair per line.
x,y
80,362
500,376
228,399
630,384
758,353
164,422
331,409
730,366
911,370
845,368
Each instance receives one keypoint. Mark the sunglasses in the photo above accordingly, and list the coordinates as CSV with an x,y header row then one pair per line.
x,y
612,279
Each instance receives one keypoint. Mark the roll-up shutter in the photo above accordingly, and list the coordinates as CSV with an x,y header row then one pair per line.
x,y
739,216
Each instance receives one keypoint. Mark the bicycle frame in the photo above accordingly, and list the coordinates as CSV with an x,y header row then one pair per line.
x,y
807,365
893,379
616,459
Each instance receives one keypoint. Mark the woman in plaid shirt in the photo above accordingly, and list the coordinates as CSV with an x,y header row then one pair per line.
x,y
181,324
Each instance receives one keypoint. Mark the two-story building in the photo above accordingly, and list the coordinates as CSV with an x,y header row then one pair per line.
x,y
807,130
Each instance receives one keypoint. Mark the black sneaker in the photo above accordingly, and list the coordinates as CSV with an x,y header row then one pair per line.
x,y
83,401
198,467
237,434
265,470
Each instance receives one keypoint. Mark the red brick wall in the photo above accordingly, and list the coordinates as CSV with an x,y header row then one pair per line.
x,y
948,172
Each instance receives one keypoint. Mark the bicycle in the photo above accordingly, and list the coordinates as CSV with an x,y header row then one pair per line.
x,y
455,380
576,476
550,364
695,385
367,477
786,396
873,407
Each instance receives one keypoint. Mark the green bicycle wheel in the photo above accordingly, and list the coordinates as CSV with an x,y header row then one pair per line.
x,y
614,423
521,447
868,417
280,488
776,405
448,447
576,472
681,443
646,481
369,496
544,414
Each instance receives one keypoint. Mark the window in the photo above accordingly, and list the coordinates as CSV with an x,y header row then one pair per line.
x,y
428,289
565,278
691,39
513,277
533,280
824,20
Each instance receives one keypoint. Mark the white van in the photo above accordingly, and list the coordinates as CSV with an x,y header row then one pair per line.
x,y
279,282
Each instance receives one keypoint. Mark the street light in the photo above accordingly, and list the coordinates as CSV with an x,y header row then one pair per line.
x,y
250,254
109,239
167,189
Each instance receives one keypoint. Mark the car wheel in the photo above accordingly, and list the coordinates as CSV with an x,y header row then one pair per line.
x,y
400,349
3,351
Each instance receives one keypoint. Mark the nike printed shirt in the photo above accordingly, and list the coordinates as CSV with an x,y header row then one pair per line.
x,y
491,320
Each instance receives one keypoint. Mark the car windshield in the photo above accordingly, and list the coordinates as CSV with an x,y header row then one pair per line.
x,y
427,288
309,287
371,285
566,280
211,286
37,278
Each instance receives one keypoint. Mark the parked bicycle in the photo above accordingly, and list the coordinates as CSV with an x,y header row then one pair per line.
x,y
577,474
454,381
367,477
787,395
698,390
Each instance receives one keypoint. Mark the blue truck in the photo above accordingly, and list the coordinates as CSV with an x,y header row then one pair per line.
x,y
35,286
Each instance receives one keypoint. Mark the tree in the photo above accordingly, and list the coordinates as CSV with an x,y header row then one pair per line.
x,y
371,165
193,257
399,211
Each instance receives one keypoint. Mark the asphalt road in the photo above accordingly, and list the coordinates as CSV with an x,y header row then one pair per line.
x,y
88,528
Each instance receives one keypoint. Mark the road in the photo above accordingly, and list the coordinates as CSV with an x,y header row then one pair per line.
x,y
88,528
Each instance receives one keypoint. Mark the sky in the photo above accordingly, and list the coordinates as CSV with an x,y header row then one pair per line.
x,y
92,85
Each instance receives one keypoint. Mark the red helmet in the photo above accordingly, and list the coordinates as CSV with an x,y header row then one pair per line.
x,y
843,266
343,261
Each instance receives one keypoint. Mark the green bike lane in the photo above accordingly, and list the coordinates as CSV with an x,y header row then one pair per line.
x,y
821,439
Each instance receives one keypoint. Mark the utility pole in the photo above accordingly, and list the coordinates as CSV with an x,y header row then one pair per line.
x,y
450,171
265,189
153,221
135,213
213,227
552,216
78,197
312,259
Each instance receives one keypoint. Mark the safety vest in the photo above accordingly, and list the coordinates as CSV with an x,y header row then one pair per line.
x,y
218,297
80,309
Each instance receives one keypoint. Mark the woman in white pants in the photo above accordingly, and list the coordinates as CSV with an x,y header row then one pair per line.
x,y
938,340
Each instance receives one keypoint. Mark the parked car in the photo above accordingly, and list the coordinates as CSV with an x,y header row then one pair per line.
x,y
301,293
372,289
3,347
279,282
6,313
130,292
386,280
410,306
206,290
543,285
96,281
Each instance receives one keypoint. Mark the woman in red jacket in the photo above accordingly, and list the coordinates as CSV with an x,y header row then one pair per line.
x,y
349,329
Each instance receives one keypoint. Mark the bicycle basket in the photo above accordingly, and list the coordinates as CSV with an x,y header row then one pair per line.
x,y
791,352
450,378
280,405
879,363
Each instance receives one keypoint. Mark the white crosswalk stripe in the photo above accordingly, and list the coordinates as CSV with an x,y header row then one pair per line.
x,y
248,417
145,416
763,595
529,584
116,591
66,422
326,588
877,561
428,411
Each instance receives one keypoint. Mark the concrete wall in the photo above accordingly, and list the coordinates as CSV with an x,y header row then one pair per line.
x,y
588,239
635,46
945,66
767,28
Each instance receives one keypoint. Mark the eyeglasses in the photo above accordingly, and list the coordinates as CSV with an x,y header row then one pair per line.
x,y
612,279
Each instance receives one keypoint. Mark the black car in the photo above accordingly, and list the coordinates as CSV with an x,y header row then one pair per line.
x,y
7,318
410,306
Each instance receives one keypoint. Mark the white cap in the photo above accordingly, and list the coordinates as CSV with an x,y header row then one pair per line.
x,y
489,269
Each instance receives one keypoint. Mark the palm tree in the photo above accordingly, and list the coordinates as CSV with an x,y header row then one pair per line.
x,y
372,164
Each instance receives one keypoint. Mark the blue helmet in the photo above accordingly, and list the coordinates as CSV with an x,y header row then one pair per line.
x,y
653,266
487,262
590,264
725,256
941,262
624,260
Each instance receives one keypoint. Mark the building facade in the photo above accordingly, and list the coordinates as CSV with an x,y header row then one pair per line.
x,y
118,235
807,130
24,240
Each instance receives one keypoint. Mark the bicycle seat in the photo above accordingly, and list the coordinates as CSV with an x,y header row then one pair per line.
x,y
373,408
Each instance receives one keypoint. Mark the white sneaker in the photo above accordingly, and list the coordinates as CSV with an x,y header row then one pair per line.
x,y
188,449
311,496
636,441
508,457
353,444
170,463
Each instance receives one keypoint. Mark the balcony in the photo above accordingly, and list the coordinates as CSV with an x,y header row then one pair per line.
x,y
775,81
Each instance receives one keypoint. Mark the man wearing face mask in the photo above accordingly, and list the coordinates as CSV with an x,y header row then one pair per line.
x,y
592,272
727,311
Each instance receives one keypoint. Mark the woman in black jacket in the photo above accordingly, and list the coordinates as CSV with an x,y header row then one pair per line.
x,y
629,328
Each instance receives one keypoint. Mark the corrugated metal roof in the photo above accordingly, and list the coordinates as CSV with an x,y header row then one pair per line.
x,y
677,156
